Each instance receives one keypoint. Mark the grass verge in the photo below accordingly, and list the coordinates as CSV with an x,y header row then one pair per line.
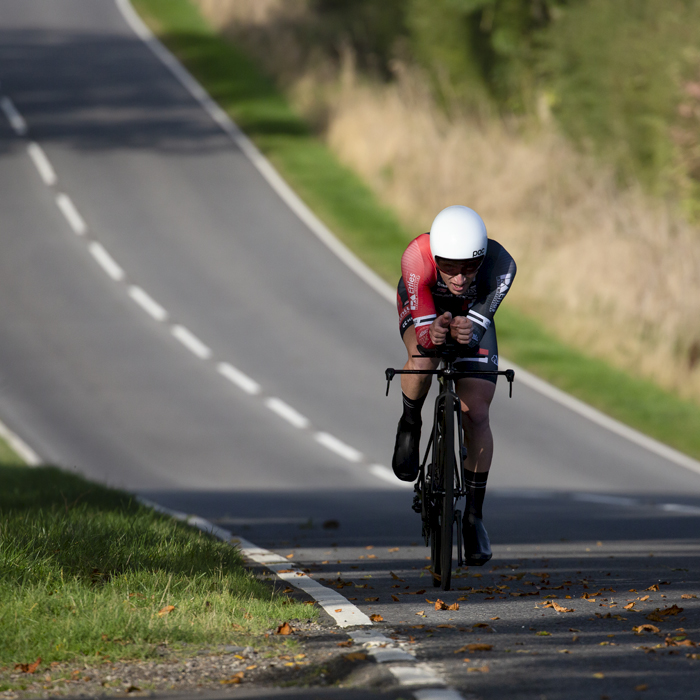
x,y
350,209
88,574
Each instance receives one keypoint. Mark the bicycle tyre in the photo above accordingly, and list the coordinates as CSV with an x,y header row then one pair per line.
x,y
447,509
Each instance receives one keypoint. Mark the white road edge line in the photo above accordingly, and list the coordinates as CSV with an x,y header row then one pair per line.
x,y
42,163
284,410
13,116
19,446
351,260
148,303
191,342
106,261
241,380
76,222
332,443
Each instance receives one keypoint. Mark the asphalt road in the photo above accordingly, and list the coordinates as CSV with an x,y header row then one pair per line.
x,y
95,383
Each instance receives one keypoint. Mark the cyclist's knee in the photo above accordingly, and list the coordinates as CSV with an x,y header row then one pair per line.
x,y
476,413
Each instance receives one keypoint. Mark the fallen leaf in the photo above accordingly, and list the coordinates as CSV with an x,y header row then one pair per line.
x,y
448,627
598,675
285,628
28,668
641,686
371,556
643,598
395,577
557,607
285,571
645,628
421,613
288,590
348,643
659,615
376,618
369,546
394,549
166,610
478,669
289,556
495,618
687,596
630,606
478,647
542,633
371,600
395,598
234,679
355,656
654,587
132,689
339,609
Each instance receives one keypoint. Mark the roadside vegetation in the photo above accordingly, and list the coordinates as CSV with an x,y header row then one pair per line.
x,y
88,575
585,312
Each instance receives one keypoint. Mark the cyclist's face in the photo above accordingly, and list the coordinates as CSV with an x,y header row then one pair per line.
x,y
458,274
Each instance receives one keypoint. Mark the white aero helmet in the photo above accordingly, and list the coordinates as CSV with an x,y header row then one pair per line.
x,y
458,233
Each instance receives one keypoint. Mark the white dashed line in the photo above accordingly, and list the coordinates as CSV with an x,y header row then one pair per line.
x,y
420,674
13,116
36,153
242,381
147,303
604,499
340,448
284,410
437,694
106,261
679,508
191,342
385,474
68,209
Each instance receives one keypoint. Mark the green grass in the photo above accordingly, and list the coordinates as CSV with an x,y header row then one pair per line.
x,y
86,570
371,231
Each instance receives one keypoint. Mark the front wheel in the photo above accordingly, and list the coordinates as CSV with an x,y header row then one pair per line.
x,y
442,522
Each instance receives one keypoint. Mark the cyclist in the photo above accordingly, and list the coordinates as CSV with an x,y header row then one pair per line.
x,y
452,282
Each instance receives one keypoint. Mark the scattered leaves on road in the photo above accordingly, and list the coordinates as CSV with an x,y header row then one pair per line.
x,y
376,618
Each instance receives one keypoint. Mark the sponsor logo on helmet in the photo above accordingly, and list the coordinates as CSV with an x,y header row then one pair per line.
x,y
494,359
477,253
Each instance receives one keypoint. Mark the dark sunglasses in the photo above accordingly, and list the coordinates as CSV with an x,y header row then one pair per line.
x,y
452,268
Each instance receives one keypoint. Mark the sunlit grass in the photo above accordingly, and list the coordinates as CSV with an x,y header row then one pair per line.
x,y
86,571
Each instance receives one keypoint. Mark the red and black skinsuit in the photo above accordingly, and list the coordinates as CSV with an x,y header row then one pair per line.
x,y
422,296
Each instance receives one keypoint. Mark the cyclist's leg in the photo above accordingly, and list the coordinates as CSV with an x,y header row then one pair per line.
x,y
414,387
476,395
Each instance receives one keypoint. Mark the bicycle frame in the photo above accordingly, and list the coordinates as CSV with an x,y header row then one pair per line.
x,y
431,498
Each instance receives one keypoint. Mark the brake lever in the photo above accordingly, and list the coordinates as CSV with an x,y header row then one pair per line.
x,y
510,376
390,373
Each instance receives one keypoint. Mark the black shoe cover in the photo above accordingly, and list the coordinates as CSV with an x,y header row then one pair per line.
x,y
405,461
477,548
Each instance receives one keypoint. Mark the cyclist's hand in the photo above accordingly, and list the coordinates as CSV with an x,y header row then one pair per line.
x,y
440,327
461,329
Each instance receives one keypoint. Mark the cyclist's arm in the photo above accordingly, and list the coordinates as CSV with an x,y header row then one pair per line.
x,y
418,276
495,281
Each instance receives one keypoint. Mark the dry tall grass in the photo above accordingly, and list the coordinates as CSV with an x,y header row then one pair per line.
x,y
606,269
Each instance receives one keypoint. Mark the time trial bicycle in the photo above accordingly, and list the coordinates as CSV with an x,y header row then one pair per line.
x,y
440,482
